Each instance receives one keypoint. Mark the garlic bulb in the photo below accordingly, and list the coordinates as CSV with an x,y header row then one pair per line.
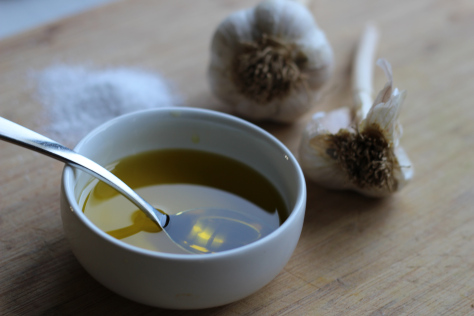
x,y
361,153
269,62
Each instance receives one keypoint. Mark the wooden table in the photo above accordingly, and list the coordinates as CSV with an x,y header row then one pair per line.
x,y
411,254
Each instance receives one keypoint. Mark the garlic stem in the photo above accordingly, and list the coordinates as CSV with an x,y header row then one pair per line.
x,y
362,73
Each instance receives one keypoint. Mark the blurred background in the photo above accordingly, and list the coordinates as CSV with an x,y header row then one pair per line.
x,y
17,16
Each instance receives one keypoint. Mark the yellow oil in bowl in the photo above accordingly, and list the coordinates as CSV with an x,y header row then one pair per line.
x,y
175,180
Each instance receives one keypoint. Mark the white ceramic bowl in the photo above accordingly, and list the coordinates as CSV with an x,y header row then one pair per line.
x,y
181,281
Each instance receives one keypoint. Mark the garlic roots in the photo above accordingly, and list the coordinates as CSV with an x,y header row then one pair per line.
x,y
269,62
359,149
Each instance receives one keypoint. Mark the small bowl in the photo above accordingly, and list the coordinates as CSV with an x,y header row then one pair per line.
x,y
182,281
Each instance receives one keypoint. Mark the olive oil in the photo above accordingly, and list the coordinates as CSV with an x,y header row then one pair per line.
x,y
175,180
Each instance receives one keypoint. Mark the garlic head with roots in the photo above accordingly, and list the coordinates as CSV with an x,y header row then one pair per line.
x,y
365,155
270,61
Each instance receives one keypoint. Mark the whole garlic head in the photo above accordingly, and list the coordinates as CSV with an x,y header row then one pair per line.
x,y
269,62
364,156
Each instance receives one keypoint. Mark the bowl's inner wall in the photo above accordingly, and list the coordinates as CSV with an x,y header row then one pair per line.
x,y
146,131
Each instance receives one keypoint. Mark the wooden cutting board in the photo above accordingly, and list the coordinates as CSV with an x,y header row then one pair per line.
x,y
410,254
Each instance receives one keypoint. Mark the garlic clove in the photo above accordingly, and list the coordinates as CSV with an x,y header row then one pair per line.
x,y
237,27
269,62
315,162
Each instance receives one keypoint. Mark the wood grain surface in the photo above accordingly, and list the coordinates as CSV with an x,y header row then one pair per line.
x,y
410,254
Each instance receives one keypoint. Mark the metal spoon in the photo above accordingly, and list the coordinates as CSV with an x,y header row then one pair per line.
x,y
224,229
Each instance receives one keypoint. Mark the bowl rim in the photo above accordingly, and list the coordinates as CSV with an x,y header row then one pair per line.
x,y
67,184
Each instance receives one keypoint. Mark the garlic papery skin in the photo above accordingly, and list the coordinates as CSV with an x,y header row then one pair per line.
x,y
269,62
359,151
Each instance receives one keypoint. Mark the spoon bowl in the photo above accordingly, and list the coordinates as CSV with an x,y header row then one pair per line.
x,y
226,230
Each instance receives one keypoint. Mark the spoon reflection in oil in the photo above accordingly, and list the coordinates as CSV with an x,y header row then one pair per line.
x,y
206,231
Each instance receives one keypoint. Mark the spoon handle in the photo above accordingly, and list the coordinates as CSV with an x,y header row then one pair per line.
x,y
24,137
